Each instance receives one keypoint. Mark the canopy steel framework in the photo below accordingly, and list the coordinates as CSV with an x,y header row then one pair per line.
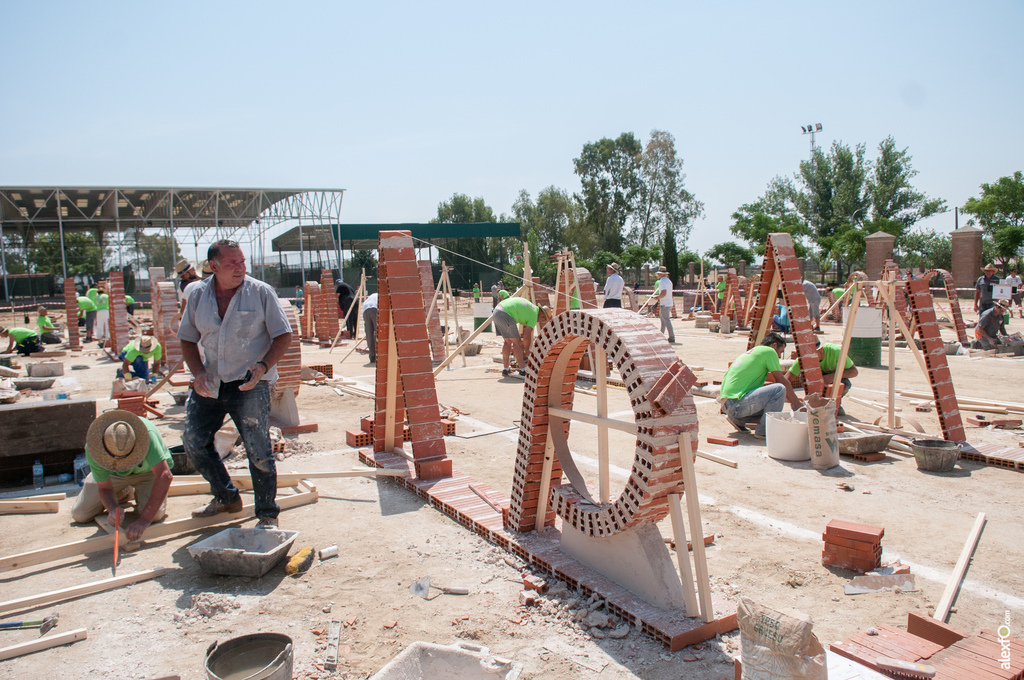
x,y
245,215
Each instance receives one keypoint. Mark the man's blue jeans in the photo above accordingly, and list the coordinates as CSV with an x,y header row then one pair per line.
x,y
756,405
250,411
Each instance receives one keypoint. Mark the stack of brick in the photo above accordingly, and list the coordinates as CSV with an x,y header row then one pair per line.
x,y
327,309
118,312
780,255
401,315
920,298
165,308
434,318
71,311
289,367
732,295
853,546
311,300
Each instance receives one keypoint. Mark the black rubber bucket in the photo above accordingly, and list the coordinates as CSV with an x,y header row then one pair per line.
x,y
261,656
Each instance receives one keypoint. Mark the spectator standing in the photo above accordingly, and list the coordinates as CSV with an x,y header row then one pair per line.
x,y
87,311
813,304
242,329
1016,293
983,288
613,286
370,325
665,303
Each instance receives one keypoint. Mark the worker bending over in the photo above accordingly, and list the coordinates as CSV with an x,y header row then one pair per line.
x,y
508,315
745,397
828,357
136,355
24,341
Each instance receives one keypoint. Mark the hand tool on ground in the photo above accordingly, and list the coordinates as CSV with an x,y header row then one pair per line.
x,y
422,588
905,669
118,516
44,625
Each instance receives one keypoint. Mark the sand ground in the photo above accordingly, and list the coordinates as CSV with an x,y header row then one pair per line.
x,y
767,517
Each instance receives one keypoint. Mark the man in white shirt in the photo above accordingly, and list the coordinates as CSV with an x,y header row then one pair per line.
x,y
665,303
613,287
1015,294
243,331
370,325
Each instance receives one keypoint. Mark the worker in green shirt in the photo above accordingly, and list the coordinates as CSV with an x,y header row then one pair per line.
x,y
129,304
127,458
102,315
476,292
49,333
745,397
24,341
828,357
136,355
720,287
87,314
508,315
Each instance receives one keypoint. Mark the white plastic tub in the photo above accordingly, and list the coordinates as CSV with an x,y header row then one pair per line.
x,y
427,661
786,436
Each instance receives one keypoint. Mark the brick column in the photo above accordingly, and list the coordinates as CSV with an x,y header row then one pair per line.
x,y
690,273
878,249
742,267
71,310
967,257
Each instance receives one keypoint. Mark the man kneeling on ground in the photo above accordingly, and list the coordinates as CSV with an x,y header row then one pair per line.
x,y
127,457
745,396
991,325
507,317
828,357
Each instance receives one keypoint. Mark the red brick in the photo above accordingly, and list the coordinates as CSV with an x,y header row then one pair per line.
x,y
357,438
723,441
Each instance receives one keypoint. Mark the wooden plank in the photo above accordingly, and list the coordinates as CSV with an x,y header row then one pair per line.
x,y
600,362
717,459
155,531
167,376
953,587
72,592
28,507
696,529
609,423
837,381
391,389
40,497
675,510
45,642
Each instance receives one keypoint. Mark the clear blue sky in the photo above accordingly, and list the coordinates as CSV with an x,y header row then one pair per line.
x,y
404,104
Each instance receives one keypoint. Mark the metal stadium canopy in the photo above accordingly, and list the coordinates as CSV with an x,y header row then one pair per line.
x,y
209,213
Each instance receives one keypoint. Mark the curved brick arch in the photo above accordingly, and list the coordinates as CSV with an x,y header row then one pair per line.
x,y
954,302
642,356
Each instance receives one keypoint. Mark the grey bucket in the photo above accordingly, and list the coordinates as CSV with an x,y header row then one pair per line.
x,y
261,656
935,455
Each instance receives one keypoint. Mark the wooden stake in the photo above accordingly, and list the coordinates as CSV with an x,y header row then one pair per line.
x,y
682,554
54,596
953,587
545,482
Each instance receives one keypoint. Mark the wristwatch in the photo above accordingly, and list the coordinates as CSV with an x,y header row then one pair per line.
x,y
266,369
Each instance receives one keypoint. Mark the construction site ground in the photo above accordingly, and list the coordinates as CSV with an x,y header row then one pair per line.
x,y
767,518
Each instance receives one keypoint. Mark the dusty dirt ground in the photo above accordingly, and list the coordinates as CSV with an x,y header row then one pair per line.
x,y
767,517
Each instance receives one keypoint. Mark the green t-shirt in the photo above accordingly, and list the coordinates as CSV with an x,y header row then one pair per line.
x,y
574,301
86,304
503,294
829,359
44,324
721,289
521,310
157,452
131,352
838,291
21,334
93,294
104,302
129,300
748,372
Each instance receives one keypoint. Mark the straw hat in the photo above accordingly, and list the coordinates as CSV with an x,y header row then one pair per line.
x,y
145,343
205,268
989,267
182,267
614,266
117,440
42,310
662,271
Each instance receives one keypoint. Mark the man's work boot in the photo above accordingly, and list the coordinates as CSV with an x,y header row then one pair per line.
x,y
216,507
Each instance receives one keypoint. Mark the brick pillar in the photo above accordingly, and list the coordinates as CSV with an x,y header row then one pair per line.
x,y
71,311
743,268
967,257
878,249
690,275
801,262
434,319
118,312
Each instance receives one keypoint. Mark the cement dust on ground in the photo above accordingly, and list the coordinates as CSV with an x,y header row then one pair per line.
x,y
767,517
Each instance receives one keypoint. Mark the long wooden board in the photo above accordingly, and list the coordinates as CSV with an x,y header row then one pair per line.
x,y
953,587
45,642
27,507
54,596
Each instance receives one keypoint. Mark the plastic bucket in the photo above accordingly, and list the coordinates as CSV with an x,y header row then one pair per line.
x,y
935,455
786,436
261,656
866,337
866,352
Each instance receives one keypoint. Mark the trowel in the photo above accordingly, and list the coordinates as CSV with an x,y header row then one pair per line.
x,y
422,588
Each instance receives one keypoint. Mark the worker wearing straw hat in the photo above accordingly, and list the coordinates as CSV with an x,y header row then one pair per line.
x,y
127,459
665,303
613,286
983,288
186,275
991,325
136,355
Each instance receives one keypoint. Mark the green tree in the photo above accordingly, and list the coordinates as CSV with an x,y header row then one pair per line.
x,y
893,198
553,216
662,202
609,174
83,255
14,254
927,249
1000,212
670,253
541,267
688,256
730,253
635,257
774,212
152,250
365,260
461,209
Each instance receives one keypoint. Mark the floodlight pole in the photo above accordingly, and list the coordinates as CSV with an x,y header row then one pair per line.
x,y
811,130
60,227
3,262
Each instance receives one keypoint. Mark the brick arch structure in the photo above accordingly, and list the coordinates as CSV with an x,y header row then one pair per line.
x,y
642,356
954,302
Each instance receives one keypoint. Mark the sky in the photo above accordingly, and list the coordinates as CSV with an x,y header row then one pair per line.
x,y
405,104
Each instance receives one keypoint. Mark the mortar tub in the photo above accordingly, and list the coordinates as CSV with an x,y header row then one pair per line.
x,y
850,444
261,656
786,436
242,552
33,383
428,661
935,455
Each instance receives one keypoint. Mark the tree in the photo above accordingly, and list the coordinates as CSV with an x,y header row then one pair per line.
x,y
892,196
773,212
670,253
461,209
927,249
730,253
153,250
14,254
662,202
365,260
636,256
609,174
699,263
541,267
83,255
1000,211
553,216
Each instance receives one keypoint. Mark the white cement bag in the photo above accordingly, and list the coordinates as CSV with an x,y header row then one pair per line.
x,y
822,434
778,644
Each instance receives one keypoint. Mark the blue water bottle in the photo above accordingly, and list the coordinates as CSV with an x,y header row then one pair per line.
x,y
37,474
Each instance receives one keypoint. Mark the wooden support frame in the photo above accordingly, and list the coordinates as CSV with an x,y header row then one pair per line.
x,y
72,592
308,494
